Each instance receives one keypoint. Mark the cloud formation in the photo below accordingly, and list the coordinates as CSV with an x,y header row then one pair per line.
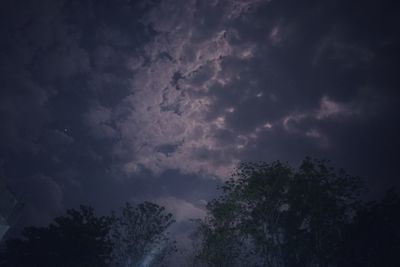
x,y
106,101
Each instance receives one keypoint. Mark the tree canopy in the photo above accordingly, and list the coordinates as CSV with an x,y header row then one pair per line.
x,y
270,214
267,214
82,239
77,239
139,235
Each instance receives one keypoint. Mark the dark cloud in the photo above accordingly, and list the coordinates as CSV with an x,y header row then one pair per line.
x,y
107,101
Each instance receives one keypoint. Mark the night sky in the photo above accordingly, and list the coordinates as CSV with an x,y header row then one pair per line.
x,y
103,102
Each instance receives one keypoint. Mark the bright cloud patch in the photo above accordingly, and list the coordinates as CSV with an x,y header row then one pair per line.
x,y
167,125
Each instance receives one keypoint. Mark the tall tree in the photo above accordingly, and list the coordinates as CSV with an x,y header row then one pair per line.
x,y
275,215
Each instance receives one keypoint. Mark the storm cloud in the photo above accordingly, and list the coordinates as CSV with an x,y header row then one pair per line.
x,y
107,101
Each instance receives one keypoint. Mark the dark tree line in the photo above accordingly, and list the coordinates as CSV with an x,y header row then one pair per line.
x,y
82,239
268,214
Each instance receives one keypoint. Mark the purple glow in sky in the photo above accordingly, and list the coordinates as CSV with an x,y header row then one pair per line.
x,y
103,102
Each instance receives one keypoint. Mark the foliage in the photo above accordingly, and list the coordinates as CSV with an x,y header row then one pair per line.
x,y
373,239
274,215
268,214
81,239
77,239
139,235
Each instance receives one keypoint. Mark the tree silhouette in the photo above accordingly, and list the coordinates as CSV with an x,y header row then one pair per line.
x,y
80,239
373,239
77,239
139,235
267,215
274,215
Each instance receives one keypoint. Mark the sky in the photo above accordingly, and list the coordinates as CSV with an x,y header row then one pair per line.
x,y
103,102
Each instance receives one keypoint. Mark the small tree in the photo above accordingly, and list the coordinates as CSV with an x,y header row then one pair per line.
x,y
139,235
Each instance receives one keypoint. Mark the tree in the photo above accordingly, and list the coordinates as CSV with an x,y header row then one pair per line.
x,y
77,239
275,215
373,239
139,235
